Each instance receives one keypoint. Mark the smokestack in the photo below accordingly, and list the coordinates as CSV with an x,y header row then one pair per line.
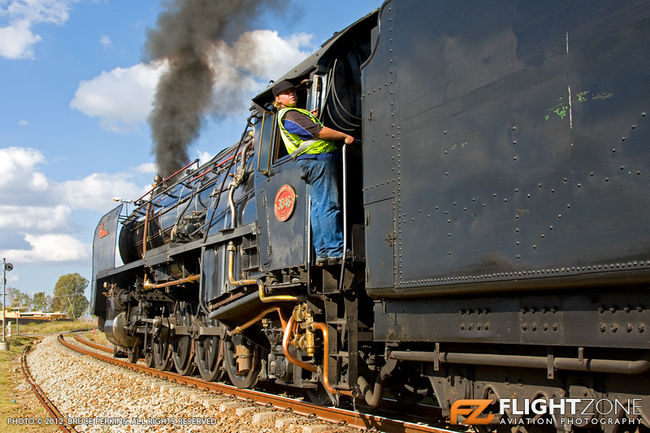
x,y
183,34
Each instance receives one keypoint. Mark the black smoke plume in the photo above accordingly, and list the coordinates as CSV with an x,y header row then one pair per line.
x,y
183,35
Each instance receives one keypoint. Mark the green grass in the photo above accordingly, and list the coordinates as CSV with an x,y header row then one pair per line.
x,y
15,403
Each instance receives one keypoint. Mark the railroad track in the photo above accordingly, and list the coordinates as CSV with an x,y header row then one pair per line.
x,y
337,416
56,417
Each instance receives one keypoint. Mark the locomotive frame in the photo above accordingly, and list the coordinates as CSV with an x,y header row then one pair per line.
x,y
495,215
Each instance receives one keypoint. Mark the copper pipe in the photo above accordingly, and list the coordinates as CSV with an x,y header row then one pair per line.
x,y
148,285
146,227
326,380
240,329
276,298
231,268
288,330
248,282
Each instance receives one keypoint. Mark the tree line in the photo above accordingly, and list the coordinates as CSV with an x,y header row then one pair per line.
x,y
68,297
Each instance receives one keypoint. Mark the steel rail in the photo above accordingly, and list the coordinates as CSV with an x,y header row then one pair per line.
x,y
59,419
338,416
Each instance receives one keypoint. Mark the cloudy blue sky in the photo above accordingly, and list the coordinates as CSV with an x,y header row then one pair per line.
x,y
76,89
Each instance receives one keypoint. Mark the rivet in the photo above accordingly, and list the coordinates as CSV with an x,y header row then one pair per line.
x,y
514,127
514,141
623,138
643,114
579,185
628,327
633,126
606,179
603,328
444,132
614,150
613,328
514,158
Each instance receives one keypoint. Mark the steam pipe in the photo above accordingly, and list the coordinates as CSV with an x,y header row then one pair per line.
x,y
326,380
249,282
525,361
149,285
231,268
242,328
275,298
288,331
231,204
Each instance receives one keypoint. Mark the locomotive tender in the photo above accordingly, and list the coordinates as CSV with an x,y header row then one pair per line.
x,y
495,214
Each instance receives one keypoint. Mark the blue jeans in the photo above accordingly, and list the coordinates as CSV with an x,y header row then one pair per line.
x,y
321,177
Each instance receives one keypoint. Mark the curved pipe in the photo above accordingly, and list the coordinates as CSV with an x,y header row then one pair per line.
x,y
242,328
231,204
275,298
149,285
372,396
231,268
326,381
288,331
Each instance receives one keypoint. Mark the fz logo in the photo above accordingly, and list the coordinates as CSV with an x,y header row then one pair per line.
x,y
471,408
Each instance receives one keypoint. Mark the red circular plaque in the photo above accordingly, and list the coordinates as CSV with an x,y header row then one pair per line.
x,y
285,202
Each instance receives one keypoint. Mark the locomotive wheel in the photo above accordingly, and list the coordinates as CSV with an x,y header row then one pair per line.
x,y
247,380
160,354
181,346
208,355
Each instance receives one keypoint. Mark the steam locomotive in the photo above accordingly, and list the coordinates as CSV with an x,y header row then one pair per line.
x,y
495,218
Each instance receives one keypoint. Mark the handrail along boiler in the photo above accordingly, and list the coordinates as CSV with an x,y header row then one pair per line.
x,y
495,215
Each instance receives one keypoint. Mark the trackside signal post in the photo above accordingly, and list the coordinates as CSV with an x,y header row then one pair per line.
x,y
4,345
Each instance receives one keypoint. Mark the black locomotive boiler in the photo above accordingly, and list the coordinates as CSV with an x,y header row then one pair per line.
x,y
495,210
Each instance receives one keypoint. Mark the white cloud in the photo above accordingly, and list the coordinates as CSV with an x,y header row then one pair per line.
x,y
35,218
105,41
146,168
50,248
36,213
23,123
267,55
17,170
17,39
121,98
95,191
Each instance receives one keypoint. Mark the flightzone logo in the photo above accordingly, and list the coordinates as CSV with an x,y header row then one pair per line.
x,y
579,412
